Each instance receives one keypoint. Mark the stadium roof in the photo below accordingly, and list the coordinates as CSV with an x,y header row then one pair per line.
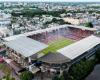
x,y
47,30
54,58
76,49
33,32
26,46
83,27
58,27
13,37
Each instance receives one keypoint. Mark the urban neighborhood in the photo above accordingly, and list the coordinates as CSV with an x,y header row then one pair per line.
x,y
42,40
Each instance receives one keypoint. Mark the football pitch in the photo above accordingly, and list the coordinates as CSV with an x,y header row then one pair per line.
x,y
55,45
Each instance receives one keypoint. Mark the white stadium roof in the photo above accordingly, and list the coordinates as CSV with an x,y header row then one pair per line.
x,y
83,27
58,27
76,49
45,30
13,37
26,46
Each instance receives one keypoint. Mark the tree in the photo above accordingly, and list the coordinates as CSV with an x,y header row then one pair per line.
x,y
15,32
98,55
55,20
34,12
8,77
65,74
80,70
62,77
89,24
26,75
55,77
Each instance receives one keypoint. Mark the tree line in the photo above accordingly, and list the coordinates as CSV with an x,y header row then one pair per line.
x,y
32,13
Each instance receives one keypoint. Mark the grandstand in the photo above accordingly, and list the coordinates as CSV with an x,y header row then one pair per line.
x,y
57,37
57,45
49,35
67,31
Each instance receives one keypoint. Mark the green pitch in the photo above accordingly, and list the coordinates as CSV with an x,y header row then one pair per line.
x,y
58,44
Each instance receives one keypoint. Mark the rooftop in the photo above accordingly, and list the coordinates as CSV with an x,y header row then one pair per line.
x,y
26,46
76,49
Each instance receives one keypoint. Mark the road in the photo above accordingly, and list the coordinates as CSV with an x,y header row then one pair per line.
x,y
95,75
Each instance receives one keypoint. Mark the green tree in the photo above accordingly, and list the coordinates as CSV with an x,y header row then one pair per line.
x,y
98,55
8,77
61,77
55,77
80,70
65,74
89,24
26,75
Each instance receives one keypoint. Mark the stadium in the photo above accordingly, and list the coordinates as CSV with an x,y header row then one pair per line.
x,y
60,36
60,45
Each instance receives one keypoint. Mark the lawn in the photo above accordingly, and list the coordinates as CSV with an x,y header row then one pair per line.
x,y
54,46
5,68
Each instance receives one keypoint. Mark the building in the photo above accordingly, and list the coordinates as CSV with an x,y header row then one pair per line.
x,y
24,50
73,53
84,48
5,19
72,21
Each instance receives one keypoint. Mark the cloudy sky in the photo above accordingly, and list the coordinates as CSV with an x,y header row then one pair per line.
x,y
57,0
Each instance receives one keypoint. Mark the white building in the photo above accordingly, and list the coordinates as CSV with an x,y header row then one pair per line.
x,y
5,20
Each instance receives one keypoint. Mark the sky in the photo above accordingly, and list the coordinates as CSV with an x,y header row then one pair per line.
x,y
56,0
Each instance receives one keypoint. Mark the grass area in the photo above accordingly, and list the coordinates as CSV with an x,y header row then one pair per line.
x,y
54,46
5,68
